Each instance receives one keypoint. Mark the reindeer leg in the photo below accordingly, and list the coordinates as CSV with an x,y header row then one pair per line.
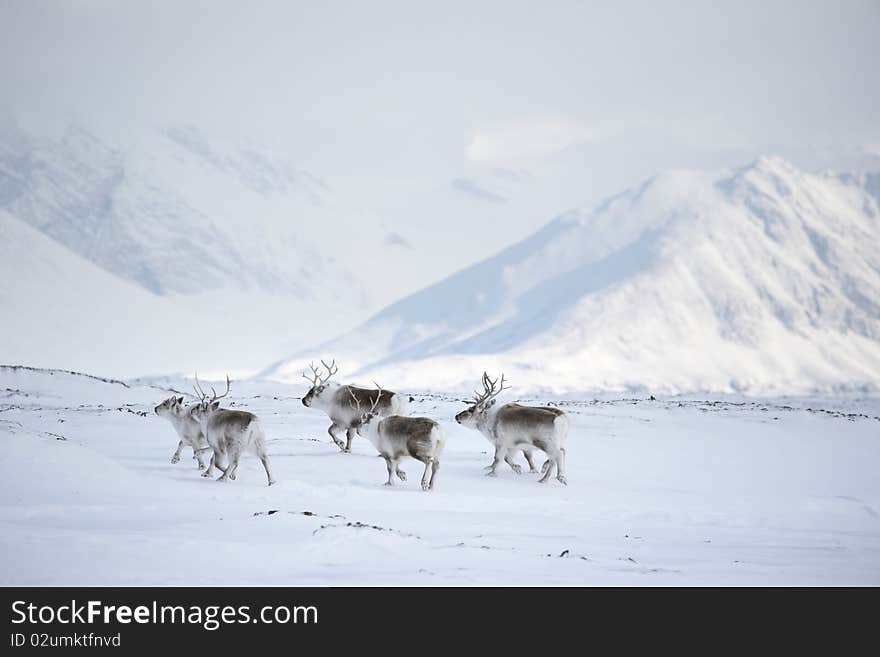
x,y
332,431
349,437
434,467
552,463
513,466
215,463
225,475
425,480
265,459
232,468
197,455
176,457
500,453
210,471
528,454
390,465
560,467
260,449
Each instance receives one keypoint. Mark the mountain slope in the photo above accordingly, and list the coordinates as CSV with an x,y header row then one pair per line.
x,y
764,280
60,310
169,212
178,213
257,253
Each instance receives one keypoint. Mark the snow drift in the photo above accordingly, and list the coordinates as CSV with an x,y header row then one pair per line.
x,y
679,491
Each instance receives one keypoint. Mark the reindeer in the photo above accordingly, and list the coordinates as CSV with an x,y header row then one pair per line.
x,y
190,431
517,427
334,400
229,433
396,436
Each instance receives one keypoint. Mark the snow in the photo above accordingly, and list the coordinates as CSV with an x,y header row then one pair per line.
x,y
681,490
213,256
763,281
246,242
61,310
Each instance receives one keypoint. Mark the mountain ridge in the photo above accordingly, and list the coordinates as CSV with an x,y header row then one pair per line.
x,y
176,214
770,272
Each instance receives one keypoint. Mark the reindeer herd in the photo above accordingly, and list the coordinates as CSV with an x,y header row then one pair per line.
x,y
379,416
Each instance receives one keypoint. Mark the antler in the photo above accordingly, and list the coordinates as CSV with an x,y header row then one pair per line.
x,y
198,389
357,402
378,398
491,390
330,370
216,396
316,378
316,375
202,395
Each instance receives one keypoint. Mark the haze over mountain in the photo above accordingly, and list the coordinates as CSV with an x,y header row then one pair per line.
x,y
217,243
176,213
760,280
61,310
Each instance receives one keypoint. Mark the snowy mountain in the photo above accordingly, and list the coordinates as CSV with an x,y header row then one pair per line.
x,y
761,280
61,309
167,212
238,242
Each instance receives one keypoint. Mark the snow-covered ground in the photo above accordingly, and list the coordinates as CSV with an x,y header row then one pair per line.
x,y
674,491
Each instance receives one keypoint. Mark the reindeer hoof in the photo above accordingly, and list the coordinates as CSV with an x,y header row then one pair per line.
x,y
206,474
388,483
175,459
347,450
562,481
271,482
491,473
517,469
401,475
425,487
232,477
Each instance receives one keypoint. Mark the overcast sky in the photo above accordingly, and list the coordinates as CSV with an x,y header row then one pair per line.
x,y
494,113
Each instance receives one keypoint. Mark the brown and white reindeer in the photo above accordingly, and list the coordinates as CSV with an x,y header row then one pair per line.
x,y
335,400
397,436
189,431
229,433
513,427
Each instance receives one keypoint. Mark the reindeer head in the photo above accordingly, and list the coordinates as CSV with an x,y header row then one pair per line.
x,y
205,407
169,407
481,402
366,417
319,382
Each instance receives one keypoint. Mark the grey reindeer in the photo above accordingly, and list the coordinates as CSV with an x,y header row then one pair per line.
x,y
334,399
229,433
514,427
396,437
188,430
